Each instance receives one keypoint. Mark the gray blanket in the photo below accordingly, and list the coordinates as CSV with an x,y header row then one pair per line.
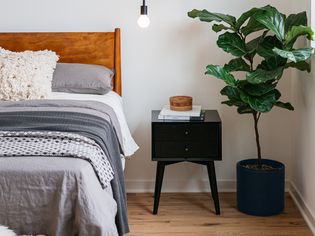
x,y
91,119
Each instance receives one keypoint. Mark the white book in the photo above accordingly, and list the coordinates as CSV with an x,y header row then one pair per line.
x,y
195,112
161,117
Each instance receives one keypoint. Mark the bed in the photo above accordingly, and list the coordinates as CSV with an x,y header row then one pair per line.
x,y
62,195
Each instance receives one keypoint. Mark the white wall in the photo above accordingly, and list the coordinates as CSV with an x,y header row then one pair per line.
x,y
166,59
303,171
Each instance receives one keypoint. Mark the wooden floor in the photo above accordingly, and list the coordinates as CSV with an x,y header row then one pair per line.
x,y
192,214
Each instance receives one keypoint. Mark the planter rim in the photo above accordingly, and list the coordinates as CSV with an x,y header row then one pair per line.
x,y
275,164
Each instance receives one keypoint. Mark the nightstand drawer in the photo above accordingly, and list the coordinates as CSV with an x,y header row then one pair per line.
x,y
187,150
183,132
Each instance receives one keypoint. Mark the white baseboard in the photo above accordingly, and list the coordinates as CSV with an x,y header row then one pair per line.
x,y
179,186
305,210
147,186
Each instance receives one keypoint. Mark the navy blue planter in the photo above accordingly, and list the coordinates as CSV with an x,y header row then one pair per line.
x,y
260,193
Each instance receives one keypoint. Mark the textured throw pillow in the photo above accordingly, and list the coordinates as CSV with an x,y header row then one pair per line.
x,y
82,78
26,75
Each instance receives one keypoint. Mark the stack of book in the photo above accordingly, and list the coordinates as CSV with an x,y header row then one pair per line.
x,y
195,114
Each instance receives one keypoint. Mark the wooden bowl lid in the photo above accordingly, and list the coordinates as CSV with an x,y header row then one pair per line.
x,y
181,103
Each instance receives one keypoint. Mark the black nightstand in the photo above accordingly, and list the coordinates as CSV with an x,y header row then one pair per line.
x,y
193,141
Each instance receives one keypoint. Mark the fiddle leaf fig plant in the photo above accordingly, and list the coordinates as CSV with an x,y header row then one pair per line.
x,y
272,38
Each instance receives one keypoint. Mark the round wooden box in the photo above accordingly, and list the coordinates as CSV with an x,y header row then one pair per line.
x,y
181,103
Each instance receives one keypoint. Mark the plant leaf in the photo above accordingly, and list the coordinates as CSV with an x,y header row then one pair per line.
x,y
272,20
264,66
261,76
231,92
217,28
262,103
272,63
245,109
235,100
275,62
252,26
287,105
229,103
244,17
295,32
302,65
277,94
295,20
232,43
220,73
252,46
237,64
257,89
295,55
265,48
236,103
207,16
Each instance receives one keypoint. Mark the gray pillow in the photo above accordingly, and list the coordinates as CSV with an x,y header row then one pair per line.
x,y
82,78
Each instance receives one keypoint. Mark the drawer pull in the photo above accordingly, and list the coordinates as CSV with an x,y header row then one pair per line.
x,y
186,132
186,149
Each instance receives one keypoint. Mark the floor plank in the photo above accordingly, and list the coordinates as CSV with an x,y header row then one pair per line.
x,y
190,214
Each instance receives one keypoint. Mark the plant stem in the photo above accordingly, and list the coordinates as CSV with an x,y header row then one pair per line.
x,y
256,116
251,65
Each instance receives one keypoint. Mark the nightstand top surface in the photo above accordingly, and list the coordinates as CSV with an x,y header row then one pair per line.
x,y
210,116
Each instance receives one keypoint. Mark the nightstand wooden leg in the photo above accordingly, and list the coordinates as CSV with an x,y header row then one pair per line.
x,y
213,186
158,185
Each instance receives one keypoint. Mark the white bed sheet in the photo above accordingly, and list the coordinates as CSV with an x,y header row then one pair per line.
x,y
113,100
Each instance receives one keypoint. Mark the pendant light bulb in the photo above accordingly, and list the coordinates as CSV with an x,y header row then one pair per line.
x,y
144,20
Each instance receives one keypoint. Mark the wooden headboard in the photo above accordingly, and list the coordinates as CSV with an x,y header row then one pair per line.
x,y
100,48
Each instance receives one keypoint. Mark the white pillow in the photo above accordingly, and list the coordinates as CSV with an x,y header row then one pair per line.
x,y
26,75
